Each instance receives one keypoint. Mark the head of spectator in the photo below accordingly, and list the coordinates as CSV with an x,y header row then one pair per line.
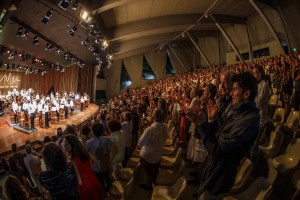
x,y
53,138
14,148
13,164
98,129
244,88
71,130
15,190
127,116
74,147
28,149
54,157
85,130
102,117
114,125
226,83
46,139
209,92
259,73
158,115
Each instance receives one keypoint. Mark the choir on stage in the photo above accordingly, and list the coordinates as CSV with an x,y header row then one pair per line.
x,y
26,105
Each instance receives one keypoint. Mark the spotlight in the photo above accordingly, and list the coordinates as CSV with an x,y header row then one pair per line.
x,y
72,31
85,16
75,5
62,69
49,47
92,48
58,51
11,55
25,34
20,32
67,56
109,57
104,45
46,18
57,67
94,32
64,4
85,42
35,40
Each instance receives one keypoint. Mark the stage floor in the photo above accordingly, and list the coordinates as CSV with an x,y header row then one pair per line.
x,y
8,135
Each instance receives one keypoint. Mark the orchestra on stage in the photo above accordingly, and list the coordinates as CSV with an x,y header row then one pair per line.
x,y
26,105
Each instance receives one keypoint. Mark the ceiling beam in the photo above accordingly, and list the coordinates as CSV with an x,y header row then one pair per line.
x,y
110,4
164,24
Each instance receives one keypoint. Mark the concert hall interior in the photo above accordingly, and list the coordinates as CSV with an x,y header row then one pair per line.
x,y
153,99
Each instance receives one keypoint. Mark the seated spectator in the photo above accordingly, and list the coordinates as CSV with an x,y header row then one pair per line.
x,y
60,179
88,185
100,148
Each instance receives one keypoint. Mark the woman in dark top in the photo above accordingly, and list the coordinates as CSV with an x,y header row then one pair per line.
x,y
60,179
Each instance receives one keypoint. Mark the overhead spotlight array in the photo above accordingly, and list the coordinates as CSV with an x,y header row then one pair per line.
x,y
21,33
72,31
35,40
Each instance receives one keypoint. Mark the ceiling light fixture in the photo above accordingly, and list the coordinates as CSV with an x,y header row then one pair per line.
x,y
85,42
20,32
49,47
35,40
72,31
64,4
47,16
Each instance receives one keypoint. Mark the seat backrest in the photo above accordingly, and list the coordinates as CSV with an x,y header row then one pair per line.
x,y
278,116
244,172
273,100
293,120
293,150
129,188
176,190
265,192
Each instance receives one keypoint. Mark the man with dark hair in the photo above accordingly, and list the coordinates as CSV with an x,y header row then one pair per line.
x,y
230,141
152,141
263,94
100,148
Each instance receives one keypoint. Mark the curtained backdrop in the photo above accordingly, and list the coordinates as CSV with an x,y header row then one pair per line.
x,y
72,79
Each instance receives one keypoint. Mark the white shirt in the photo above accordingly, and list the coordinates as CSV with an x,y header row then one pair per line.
x,y
152,142
36,161
37,97
31,108
15,107
25,106
40,107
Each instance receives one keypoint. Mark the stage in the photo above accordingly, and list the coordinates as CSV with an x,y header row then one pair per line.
x,y
8,135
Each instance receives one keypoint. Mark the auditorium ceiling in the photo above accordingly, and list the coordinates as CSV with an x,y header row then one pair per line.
x,y
130,26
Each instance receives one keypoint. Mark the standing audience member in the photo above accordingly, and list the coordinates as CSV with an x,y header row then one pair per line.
x,y
127,131
152,142
88,185
230,141
100,148
60,178
118,144
15,190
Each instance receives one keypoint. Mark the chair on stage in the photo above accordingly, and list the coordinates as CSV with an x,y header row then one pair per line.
x,y
41,120
54,118
61,114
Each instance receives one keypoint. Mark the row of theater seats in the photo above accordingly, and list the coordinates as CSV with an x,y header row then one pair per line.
x,y
170,181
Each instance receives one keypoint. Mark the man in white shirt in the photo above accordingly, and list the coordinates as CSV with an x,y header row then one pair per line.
x,y
15,107
31,111
37,96
152,142
81,103
46,112
25,106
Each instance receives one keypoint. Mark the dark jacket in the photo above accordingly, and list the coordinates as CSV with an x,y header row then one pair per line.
x,y
227,144
62,184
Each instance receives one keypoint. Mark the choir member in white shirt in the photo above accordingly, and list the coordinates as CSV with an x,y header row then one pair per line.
x,y
15,108
31,111
72,106
37,97
25,106
81,103
46,112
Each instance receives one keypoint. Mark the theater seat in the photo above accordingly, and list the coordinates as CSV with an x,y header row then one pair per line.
x,y
169,176
260,189
278,117
136,152
242,176
169,192
170,161
273,100
273,148
292,120
289,159
171,149
133,162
